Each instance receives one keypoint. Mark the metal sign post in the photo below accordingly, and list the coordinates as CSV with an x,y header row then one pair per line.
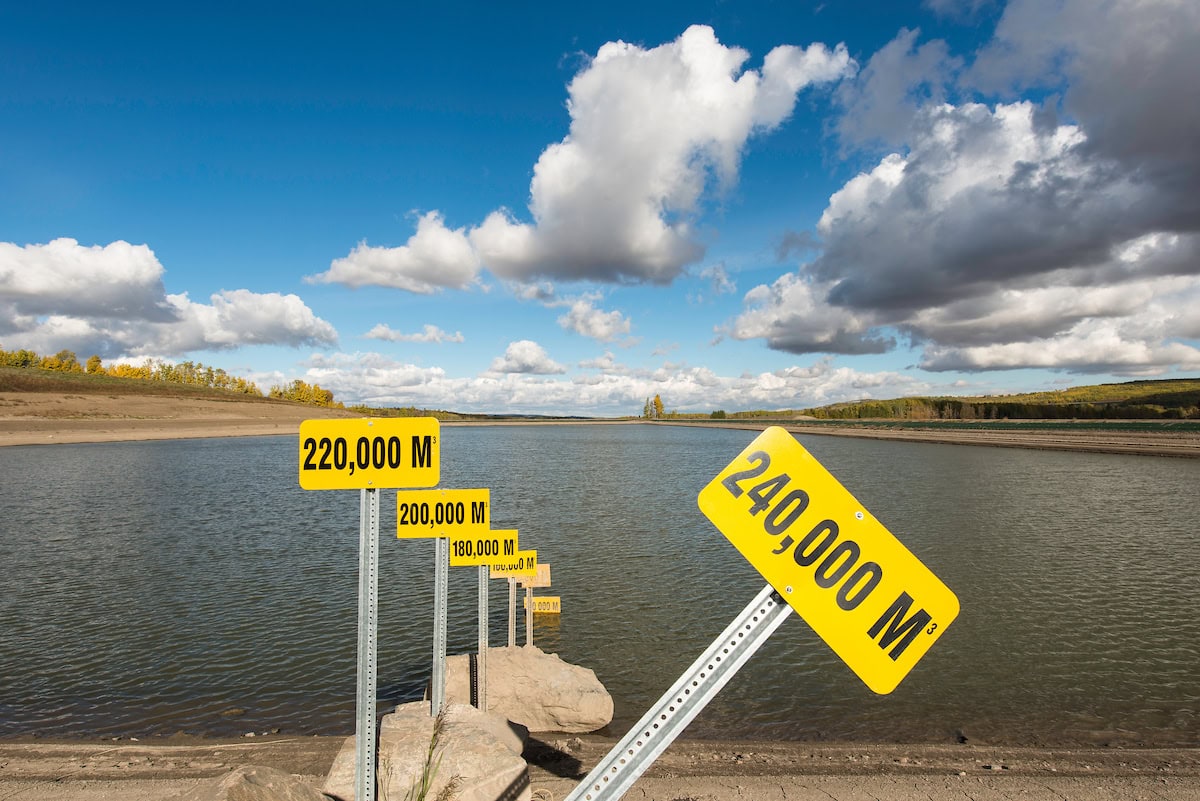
x,y
528,616
836,565
368,625
512,611
615,774
368,455
481,662
441,576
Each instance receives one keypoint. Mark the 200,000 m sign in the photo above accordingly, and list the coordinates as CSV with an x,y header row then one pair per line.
x,y
860,589
369,453
442,513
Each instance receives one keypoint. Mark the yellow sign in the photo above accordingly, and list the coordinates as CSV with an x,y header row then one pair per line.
x,y
542,579
867,596
519,565
442,513
545,604
482,548
366,453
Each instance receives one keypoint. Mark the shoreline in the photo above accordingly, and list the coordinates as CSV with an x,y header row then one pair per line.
x,y
39,418
132,770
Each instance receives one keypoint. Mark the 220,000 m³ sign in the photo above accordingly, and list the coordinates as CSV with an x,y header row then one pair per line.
x,y
872,601
369,453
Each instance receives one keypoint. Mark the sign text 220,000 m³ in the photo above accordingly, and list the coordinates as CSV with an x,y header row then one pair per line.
x,y
363,453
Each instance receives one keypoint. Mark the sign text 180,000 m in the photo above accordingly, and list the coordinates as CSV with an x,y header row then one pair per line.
x,y
369,453
485,549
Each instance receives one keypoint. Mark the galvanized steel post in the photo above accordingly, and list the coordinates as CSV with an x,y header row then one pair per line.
x,y
368,624
615,774
441,573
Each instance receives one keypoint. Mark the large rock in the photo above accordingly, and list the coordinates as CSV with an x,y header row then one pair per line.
x,y
481,752
255,783
536,689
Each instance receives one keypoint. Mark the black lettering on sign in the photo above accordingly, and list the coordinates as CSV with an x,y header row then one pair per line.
x,y
422,451
478,512
730,482
897,628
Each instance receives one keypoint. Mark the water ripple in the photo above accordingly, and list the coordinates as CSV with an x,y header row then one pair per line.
x,y
157,587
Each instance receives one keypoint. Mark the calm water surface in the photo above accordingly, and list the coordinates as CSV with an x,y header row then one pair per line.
x,y
156,587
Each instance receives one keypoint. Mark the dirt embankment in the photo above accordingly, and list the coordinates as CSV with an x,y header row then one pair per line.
x,y
41,418
44,418
127,770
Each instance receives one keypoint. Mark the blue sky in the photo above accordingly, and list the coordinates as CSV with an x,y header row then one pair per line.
x,y
569,210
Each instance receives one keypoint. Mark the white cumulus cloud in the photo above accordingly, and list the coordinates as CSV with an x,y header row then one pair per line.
x,y
1006,234
428,333
434,258
110,301
526,357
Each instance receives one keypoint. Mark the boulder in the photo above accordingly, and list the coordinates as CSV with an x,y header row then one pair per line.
x,y
538,690
254,783
479,752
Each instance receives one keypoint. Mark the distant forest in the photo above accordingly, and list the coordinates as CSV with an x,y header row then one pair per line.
x,y
1171,399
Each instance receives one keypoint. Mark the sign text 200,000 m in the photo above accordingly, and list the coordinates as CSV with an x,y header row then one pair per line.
x,y
450,513
369,453
875,604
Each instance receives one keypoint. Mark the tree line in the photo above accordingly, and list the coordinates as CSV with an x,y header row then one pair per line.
x,y
187,373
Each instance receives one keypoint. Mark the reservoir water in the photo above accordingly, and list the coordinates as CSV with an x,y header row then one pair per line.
x,y
192,586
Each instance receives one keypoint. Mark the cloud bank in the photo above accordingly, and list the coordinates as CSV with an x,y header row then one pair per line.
x,y
1059,235
111,301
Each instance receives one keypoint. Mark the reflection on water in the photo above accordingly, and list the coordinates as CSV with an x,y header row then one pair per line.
x,y
165,586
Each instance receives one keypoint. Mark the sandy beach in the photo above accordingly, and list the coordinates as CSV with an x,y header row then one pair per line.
x,y
691,770
126,770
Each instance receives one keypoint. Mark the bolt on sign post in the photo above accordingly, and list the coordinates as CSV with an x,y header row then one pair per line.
x,y
823,554
441,514
368,455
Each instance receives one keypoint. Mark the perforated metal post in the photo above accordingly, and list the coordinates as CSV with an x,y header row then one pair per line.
x,y
481,662
512,611
628,760
441,583
368,624
528,616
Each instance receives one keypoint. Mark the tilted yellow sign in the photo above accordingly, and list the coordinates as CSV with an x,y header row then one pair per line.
x,y
864,593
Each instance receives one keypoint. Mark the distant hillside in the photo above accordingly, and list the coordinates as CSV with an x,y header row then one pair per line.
x,y
1172,399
